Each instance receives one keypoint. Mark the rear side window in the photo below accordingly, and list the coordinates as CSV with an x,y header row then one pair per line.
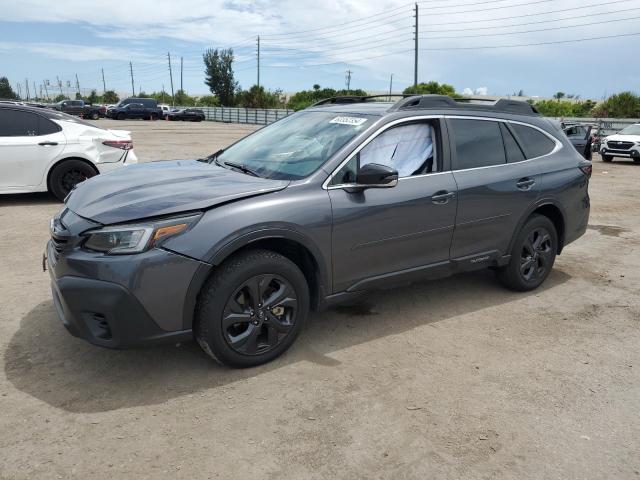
x,y
511,147
16,123
478,143
534,142
47,127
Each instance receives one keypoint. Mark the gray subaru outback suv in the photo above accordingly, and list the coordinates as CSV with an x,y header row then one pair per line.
x,y
350,195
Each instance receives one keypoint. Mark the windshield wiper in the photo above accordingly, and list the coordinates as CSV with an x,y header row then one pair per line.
x,y
238,166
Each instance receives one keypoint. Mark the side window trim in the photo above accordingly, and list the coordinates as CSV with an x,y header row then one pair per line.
x,y
451,136
326,185
516,139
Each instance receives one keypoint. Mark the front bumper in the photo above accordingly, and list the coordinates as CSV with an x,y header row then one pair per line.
x,y
123,301
634,152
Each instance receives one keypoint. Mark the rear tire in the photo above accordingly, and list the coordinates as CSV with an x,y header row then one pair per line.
x,y
66,175
252,309
153,116
532,257
121,116
95,115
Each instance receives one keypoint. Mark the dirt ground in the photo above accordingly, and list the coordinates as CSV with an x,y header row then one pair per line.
x,y
451,379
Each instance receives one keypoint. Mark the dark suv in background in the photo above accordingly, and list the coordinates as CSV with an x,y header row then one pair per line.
x,y
145,108
348,196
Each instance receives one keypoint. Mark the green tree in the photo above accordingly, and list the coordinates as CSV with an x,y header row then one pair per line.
x,y
60,97
184,100
6,91
110,97
434,88
559,96
305,98
93,97
621,105
258,97
207,101
219,74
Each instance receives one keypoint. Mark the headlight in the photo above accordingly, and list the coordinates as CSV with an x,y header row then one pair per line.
x,y
127,239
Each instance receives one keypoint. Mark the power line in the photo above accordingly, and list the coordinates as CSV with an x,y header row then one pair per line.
x,y
483,47
487,47
583,7
527,31
493,27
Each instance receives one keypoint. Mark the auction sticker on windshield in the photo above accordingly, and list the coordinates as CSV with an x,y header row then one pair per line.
x,y
355,121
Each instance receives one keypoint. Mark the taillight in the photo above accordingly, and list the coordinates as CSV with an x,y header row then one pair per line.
x,y
121,144
586,168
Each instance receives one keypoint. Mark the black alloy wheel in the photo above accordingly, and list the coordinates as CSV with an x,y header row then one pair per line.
x,y
67,174
259,314
537,255
252,308
532,255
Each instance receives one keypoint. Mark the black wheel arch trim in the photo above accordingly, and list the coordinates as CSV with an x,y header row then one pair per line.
x,y
531,210
244,241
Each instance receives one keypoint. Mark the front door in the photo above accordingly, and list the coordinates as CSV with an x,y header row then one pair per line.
x,y
382,234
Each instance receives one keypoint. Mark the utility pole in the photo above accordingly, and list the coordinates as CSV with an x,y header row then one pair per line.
x,y
133,89
349,72
59,85
19,90
415,61
163,93
41,97
35,92
181,75
391,84
173,98
258,60
78,85
104,85
26,84
45,89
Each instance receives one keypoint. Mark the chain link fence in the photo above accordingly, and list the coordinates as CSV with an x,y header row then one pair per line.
x,y
255,116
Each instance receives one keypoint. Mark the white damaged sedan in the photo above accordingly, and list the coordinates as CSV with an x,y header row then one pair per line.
x,y
45,150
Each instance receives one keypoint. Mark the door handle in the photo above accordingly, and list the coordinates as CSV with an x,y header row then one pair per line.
x,y
47,144
442,197
525,183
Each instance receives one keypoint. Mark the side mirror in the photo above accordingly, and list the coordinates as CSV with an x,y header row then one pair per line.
x,y
374,175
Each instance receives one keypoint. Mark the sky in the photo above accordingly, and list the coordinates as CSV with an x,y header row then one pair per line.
x,y
496,47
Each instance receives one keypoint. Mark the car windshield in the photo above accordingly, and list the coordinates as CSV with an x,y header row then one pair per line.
x,y
631,130
295,146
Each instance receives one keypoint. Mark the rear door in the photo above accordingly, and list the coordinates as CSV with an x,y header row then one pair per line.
x,y
496,185
580,136
29,143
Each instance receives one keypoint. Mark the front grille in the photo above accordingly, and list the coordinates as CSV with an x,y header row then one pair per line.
x,y
614,145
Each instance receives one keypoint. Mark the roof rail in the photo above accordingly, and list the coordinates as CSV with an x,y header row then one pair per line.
x,y
356,99
444,101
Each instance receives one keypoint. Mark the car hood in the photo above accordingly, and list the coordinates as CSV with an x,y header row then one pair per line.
x,y
163,188
623,138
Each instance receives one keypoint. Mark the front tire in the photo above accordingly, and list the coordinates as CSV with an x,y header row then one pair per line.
x,y
606,158
66,175
121,116
532,256
95,115
252,309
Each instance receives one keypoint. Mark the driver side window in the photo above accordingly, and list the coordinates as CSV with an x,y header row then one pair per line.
x,y
410,149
